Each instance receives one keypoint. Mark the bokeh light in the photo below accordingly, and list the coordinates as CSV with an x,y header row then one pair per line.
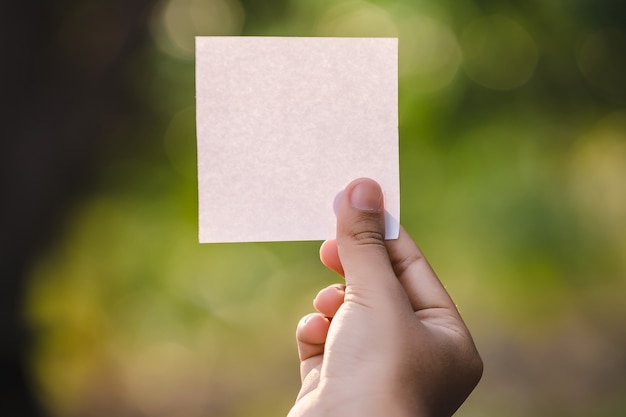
x,y
355,18
429,52
598,169
176,23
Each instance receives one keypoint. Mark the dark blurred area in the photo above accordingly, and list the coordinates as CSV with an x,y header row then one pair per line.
x,y
64,88
513,158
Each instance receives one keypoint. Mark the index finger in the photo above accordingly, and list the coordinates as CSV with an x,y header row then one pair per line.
x,y
329,255
416,276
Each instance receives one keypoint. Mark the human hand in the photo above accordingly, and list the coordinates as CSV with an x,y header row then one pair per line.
x,y
391,341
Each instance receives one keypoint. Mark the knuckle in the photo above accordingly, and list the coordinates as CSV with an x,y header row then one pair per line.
x,y
477,368
401,265
473,365
369,238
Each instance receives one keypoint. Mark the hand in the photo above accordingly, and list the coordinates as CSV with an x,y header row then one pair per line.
x,y
391,341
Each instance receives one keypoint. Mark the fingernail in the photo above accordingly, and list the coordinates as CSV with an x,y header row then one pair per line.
x,y
367,195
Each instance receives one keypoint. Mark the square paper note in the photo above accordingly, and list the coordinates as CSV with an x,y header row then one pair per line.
x,y
284,124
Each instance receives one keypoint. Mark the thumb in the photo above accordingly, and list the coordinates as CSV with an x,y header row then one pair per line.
x,y
360,237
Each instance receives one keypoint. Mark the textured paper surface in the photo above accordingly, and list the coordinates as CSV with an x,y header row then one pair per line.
x,y
284,124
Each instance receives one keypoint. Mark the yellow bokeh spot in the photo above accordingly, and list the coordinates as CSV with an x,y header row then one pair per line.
x,y
176,23
598,170
429,52
356,19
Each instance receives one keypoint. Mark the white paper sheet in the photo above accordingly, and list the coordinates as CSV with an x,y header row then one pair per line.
x,y
284,124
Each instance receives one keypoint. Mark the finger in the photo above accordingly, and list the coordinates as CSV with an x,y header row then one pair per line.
x,y
418,279
360,238
329,299
311,338
311,335
330,256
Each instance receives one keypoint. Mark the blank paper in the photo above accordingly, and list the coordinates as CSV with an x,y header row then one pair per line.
x,y
284,124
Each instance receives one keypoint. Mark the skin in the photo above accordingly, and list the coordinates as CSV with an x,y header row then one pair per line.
x,y
390,342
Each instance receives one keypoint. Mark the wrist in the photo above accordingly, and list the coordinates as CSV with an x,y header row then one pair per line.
x,y
349,402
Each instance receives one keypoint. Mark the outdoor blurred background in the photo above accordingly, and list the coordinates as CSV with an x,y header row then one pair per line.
x,y
513,171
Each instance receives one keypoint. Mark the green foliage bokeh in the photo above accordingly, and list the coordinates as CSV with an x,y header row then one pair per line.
x,y
513,161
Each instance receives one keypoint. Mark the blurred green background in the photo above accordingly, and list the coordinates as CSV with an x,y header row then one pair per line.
x,y
513,171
